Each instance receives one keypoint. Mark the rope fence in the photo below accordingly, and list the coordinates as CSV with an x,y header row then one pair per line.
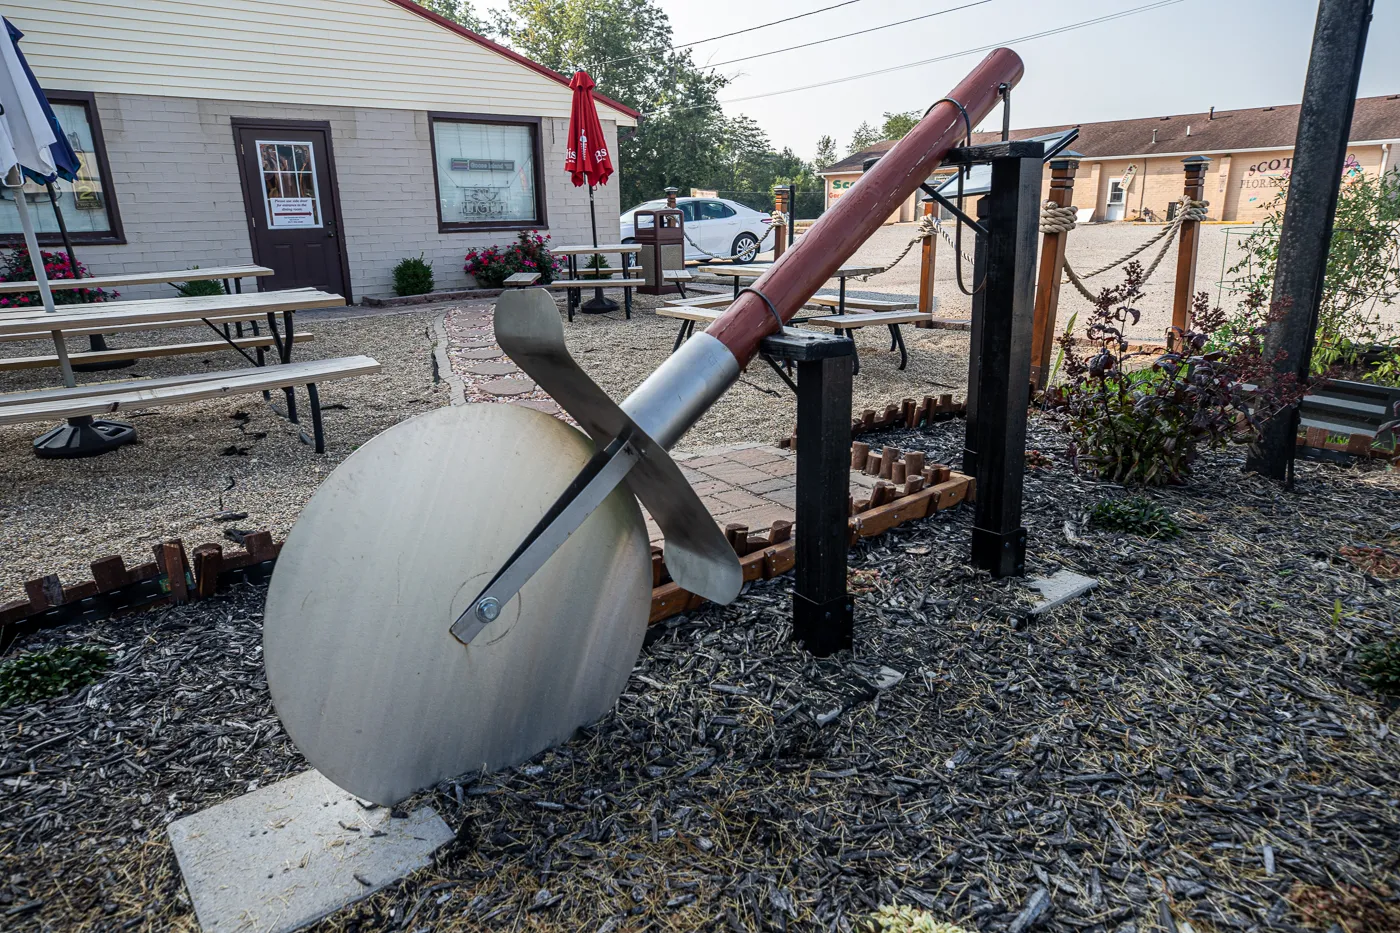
x,y
1057,219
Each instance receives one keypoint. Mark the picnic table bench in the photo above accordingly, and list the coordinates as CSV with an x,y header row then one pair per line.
x,y
105,398
216,311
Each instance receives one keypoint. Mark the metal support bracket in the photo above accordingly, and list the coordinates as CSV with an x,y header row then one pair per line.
x,y
953,209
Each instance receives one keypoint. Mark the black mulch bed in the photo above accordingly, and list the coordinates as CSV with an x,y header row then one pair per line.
x,y
1189,748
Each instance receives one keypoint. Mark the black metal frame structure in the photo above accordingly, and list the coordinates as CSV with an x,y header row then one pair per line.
x,y
823,613
999,364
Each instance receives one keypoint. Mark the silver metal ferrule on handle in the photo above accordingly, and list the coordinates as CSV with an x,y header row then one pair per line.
x,y
679,392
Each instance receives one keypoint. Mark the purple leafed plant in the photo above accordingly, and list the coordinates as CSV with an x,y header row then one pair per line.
x,y
1137,417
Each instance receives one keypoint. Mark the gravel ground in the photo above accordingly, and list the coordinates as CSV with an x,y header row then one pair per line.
x,y
1190,743
1089,248
193,461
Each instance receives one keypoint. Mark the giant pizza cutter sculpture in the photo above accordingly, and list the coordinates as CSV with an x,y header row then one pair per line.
x,y
472,585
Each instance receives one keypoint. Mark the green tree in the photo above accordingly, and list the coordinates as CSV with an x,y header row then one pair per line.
x,y
826,152
864,137
898,125
459,11
625,46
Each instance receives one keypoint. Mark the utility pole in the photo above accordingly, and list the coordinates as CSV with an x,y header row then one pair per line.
x,y
1319,154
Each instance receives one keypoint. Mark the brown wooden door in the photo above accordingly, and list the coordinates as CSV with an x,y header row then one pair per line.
x,y
290,192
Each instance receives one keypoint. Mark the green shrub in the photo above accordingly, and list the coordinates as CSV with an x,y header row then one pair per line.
x,y
413,276
198,288
43,674
598,267
1362,275
1136,514
1380,666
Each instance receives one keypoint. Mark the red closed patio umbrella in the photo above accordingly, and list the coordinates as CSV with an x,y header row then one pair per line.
x,y
588,162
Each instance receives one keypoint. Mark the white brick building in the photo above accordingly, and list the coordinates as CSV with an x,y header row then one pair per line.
x,y
327,139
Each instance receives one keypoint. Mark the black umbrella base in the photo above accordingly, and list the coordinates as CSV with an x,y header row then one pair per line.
x,y
83,437
598,304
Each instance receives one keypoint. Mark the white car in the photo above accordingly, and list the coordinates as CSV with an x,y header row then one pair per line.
x,y
713,226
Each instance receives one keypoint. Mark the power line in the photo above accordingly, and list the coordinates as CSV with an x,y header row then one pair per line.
x,y
847,35
941,58
737,32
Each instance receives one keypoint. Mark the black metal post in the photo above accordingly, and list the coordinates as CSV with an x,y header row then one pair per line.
x,y
792,214
1319,155
975,334
599,303
96,342
1005,300
823,614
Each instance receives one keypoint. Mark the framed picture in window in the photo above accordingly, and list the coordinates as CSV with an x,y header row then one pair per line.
x,y
487,171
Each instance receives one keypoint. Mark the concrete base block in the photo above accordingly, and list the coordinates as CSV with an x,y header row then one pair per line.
x,y
1059,588
286,855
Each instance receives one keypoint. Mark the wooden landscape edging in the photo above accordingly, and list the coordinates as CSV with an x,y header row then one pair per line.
x,y
906,490
114,587
925,491
907,414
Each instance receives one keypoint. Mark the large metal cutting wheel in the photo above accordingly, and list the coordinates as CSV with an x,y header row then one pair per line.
x,y
365,675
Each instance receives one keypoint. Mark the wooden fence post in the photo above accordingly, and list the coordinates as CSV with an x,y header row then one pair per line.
x,y
1052,267
928,254
1194,189
780,205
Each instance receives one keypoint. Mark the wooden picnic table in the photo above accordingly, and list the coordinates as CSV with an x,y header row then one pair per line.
x,y
753,271
575,292
226,310
76,320
623,248
128,279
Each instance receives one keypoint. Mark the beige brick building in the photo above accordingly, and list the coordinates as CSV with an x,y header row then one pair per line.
x,y
1132,169
327,139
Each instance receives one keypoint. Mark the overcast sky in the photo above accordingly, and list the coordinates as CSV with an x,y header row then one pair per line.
x,y
1181,58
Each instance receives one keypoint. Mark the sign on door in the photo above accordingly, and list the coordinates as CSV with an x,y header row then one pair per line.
x,y
291,195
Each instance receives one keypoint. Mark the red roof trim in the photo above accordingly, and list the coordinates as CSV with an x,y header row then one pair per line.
x,y
479,39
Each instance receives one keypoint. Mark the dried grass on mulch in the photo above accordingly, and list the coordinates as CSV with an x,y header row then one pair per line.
x,y
1189,747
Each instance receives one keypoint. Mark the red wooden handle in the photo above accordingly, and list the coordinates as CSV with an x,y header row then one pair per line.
x,y
797,275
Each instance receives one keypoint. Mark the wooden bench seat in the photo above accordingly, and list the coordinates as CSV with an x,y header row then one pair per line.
x,y
596,283
854,321
521,279
13,363
105,398
689,312
701,301
845,323
864,304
